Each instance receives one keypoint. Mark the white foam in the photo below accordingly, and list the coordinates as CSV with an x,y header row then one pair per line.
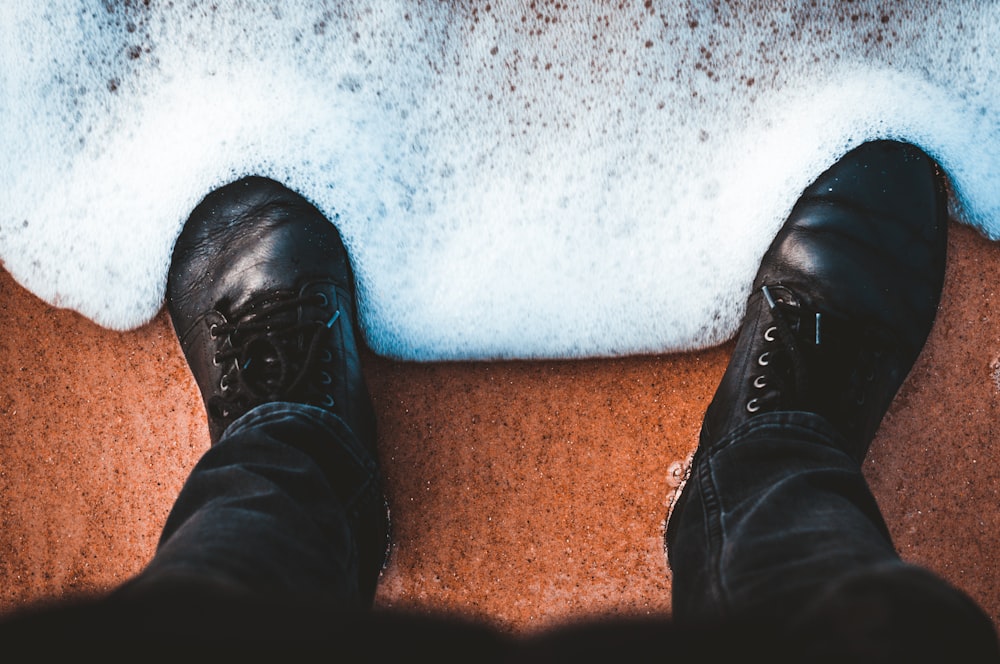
x,y
579,181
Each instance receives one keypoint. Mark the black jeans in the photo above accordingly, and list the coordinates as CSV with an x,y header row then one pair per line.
x,y
777,549
288,502
776,526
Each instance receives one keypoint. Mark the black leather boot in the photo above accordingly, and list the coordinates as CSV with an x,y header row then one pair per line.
x,y
261,294
844,299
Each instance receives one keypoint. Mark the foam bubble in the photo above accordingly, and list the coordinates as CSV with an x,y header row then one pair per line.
x,y
542,181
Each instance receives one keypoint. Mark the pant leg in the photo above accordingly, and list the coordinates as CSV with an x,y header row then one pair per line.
x,y
288,502
777,526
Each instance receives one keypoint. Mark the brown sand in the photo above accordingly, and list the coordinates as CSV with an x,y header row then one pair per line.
x,y
522,493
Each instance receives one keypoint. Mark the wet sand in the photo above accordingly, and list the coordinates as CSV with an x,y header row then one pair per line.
x,y
522,493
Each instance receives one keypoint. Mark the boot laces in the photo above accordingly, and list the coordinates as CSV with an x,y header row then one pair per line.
x,y
793,352
274,353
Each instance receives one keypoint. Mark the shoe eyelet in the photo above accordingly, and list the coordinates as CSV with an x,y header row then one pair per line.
x,y
327,356
764,359
324,378
327,401
215,360
224,384
860,400
769,333
753,406
760,382
322,299
213,330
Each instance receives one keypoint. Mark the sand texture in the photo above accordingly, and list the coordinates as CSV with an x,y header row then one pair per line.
x,y
523,493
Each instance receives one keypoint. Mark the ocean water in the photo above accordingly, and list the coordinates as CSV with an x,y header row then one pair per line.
x,y
513,179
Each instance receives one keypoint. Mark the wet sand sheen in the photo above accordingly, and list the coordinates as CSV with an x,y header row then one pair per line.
x,y
522,492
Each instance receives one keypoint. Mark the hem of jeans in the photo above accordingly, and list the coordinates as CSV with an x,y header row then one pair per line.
x,y
814,423
818,428
364,459
265,411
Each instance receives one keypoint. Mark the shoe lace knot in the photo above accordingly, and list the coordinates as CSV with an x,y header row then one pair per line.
x,y
275,348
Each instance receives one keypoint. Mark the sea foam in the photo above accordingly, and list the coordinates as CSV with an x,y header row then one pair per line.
x,y
512,179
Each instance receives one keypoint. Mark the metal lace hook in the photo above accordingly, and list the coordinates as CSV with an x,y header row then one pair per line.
x,y
767,296
333,319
